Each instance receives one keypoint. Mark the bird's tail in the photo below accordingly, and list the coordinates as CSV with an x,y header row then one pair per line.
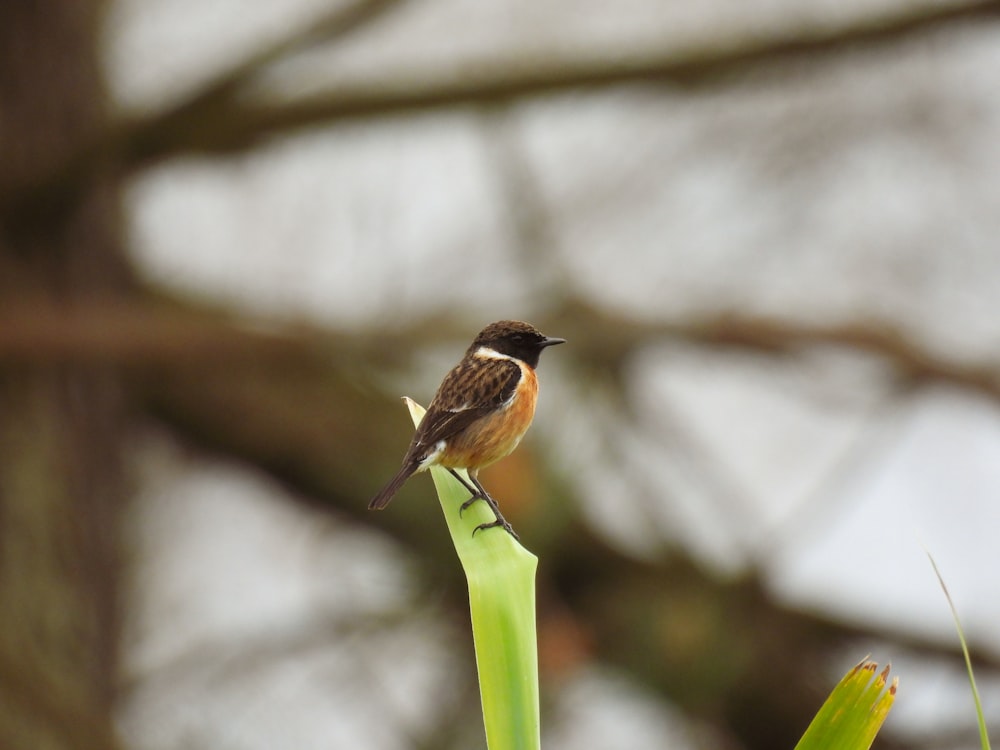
x,y
392,487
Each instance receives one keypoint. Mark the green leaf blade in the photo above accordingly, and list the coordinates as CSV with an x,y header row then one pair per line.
x,y
501,578
854,712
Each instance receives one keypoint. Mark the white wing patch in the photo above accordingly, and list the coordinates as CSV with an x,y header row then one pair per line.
x,y
434,455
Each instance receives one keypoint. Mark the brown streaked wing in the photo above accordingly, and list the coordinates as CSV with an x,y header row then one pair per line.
x,y
479,385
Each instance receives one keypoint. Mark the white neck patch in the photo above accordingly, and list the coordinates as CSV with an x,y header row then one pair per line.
x,y
485,352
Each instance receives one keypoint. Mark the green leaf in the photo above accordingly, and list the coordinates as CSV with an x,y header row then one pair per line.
x,y
852,715
984,738
501,577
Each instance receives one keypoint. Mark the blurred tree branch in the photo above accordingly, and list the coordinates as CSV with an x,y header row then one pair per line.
x,y
25,687
63,490
219,118
186,336
225,124
108,151
909,358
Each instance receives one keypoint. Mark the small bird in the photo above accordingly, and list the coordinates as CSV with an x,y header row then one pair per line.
x,y
480,412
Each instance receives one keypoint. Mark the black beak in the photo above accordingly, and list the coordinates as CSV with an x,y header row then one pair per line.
x,y
550,342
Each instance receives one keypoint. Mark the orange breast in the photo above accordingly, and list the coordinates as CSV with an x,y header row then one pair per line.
x,y
496,435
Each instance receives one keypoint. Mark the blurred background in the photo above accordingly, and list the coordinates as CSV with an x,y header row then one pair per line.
x,y
232,235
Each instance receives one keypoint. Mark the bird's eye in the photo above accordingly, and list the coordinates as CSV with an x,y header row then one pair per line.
x,y
517,338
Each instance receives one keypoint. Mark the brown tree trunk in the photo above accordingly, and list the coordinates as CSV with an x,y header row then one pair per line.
x,y
61,486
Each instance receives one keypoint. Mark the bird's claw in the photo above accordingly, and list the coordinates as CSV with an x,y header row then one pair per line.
x,y
502,523
467,503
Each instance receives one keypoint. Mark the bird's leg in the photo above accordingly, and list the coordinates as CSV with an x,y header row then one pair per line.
x,y
480,493
501,521
477,493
